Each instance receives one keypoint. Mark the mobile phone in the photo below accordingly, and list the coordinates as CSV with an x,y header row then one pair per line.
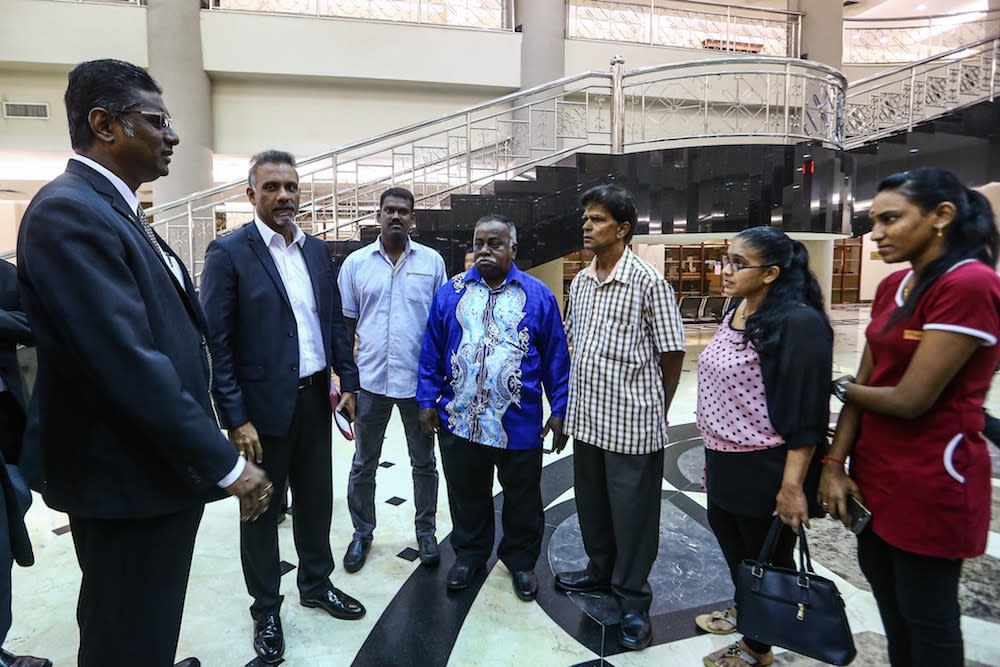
x,y
858,514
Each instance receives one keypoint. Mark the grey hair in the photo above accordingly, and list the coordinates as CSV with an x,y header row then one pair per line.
x,y
497,217
268,157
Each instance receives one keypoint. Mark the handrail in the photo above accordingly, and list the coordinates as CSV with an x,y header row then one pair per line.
x,y
406,129
923,61
922,17
735,60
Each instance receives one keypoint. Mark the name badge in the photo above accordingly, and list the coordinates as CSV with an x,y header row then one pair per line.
x,y
912,334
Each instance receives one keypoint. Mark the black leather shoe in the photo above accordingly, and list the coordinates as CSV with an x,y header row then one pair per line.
x,y
357,552
430,554
460,576
525,584
337,603
578,581
189,662
10,660
635,631
268,639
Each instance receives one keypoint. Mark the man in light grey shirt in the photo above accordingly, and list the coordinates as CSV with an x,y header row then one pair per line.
x,y
387,288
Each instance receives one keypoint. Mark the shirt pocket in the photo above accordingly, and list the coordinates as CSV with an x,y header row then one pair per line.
x,y
618,341
420,287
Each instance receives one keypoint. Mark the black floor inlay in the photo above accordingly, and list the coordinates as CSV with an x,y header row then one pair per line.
x,y
286,567
61,530
396,500
409,553
386,464
600,662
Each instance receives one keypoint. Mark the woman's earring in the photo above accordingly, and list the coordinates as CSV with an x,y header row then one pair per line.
x,y
940,232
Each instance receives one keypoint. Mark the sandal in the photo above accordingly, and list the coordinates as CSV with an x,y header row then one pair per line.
x,y
735,655
718,622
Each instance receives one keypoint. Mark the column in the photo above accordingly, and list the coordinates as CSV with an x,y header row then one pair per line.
x,y
542,24
821,264
822,31
173,32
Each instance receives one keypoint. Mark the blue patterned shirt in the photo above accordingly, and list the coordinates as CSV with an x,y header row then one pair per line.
x,y
488,354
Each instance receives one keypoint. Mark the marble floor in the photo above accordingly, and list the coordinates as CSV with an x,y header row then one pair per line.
x,y
412,621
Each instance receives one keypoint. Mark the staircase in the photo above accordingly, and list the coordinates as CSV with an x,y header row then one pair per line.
x,y
529,154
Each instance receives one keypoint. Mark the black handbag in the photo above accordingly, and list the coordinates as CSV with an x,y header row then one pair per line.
x,y
795,609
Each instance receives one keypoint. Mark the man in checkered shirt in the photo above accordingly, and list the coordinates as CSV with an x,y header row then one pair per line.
x,y
627,343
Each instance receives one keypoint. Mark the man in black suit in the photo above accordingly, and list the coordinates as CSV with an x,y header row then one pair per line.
x,y
130,446
277,328
15,497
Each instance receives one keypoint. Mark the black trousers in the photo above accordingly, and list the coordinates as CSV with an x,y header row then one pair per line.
x,y
468,473
742,537
917,598
304,457
618,503
135,576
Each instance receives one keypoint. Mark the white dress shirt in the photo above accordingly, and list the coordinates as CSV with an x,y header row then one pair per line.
x,y
298,286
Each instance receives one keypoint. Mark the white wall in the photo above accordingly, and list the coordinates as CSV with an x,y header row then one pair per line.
x,y
873,269
31,134
583,55
65,33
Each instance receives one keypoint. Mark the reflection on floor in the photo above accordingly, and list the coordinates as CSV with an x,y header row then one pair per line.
x,y
412,621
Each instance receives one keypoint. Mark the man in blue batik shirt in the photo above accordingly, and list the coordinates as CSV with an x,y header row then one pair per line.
x,y
494,341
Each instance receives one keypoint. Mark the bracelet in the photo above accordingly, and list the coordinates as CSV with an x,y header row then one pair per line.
x,y
827,459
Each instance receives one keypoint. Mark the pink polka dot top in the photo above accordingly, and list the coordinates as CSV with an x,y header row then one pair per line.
x,y
732,406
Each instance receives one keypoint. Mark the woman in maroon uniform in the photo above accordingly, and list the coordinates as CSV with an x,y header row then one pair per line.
x,y
912,419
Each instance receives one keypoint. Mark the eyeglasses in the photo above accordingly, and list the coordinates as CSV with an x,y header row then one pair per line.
x,y
158,119
737,265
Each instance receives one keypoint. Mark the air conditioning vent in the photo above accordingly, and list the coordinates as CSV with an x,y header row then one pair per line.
x,y
39,110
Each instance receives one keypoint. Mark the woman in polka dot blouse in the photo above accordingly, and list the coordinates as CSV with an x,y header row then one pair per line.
x,y
763,409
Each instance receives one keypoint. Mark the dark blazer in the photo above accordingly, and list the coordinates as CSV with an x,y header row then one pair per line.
x,y
121,407
252,329
14,331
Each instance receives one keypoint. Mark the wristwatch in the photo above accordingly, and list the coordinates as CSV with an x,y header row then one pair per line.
x,y
839,388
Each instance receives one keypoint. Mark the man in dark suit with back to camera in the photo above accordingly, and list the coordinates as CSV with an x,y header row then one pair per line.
x,y
15,496
277,328
130,445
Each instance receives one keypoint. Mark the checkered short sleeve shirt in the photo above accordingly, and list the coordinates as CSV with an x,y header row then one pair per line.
x,y
617,330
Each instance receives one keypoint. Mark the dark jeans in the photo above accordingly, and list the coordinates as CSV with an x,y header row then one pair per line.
x,y
742,537
304,457
468,473
618,503
917,599
992,428
372,417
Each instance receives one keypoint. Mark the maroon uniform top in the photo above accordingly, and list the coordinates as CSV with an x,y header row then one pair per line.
x,y
927,480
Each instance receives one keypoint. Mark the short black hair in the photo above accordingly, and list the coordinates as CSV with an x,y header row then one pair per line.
x,y
402,193
498,217
270,156
617,200
109,84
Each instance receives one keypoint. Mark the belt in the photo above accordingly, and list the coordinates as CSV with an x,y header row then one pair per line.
x,y
316,378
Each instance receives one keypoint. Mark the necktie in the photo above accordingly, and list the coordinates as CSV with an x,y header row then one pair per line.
x,y
151,237
147,230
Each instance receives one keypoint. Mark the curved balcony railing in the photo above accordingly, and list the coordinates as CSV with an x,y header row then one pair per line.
x,y
686,24
732,99
905,40
899,98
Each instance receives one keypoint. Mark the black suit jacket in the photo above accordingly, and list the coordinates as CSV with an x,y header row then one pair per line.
x,y
253,334
14,331
121,407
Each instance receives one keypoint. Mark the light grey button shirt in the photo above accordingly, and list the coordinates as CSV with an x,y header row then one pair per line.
x,y
390,303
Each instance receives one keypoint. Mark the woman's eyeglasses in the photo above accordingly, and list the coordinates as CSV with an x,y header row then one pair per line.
x,y
739,265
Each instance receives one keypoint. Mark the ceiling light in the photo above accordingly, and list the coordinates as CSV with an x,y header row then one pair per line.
x,y
921,7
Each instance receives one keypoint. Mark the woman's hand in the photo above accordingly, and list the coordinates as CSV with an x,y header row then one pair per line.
x,y
792,507
834,487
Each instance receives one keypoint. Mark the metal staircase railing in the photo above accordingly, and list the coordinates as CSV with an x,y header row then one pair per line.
x,y
897,99
738,98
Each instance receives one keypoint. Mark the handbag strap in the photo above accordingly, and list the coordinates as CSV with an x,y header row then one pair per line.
x,y
771,543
